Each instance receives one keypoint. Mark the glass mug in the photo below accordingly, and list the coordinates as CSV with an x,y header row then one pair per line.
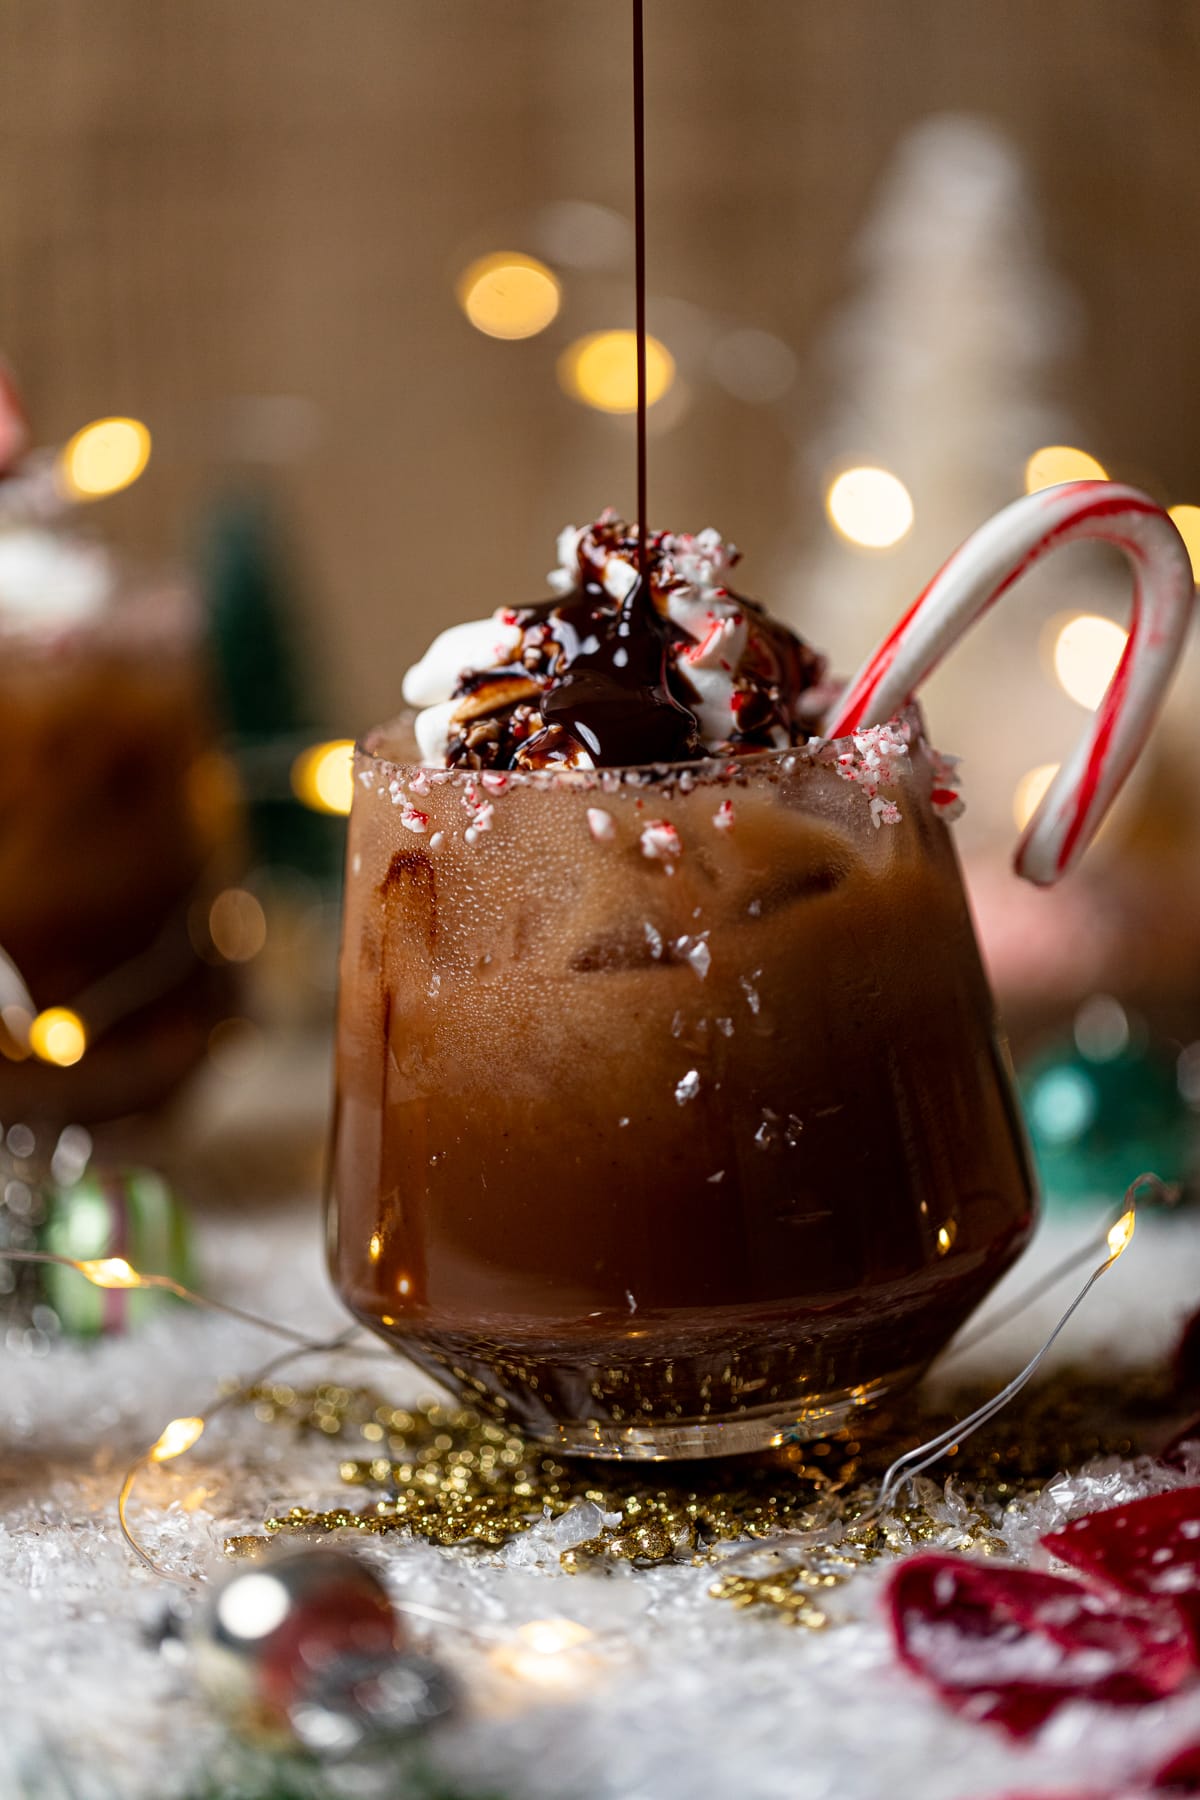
x,y
671,1114
119,823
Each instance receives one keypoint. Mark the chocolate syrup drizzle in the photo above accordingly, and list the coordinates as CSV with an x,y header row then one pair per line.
x,y
612,694
602,676
639,234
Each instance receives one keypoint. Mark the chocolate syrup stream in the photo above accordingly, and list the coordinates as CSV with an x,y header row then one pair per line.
x,y
639,225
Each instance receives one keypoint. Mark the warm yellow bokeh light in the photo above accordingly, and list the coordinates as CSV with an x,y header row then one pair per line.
x,y
58,1036
1121,1234
237,925
1187,523
176,1437
509,295
549,1637
538,1654
323,777
1030,792
601,370
103,458
110,1272
1086,653
870,507
1055,463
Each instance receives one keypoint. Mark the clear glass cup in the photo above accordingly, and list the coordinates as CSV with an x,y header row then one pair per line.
x,y
658,1154
119,822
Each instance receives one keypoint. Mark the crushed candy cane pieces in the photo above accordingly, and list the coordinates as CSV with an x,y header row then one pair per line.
x,y
660,841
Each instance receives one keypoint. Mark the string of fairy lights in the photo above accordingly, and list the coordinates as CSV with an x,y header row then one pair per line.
x,y
181,1434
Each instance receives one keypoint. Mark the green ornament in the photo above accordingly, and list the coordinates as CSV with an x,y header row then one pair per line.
x,y
1104,1108
130,1213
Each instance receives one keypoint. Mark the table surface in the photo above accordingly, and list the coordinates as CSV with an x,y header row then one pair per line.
x,y
684,1697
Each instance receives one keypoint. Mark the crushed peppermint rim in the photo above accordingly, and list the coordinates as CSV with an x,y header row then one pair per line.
x,y
869,759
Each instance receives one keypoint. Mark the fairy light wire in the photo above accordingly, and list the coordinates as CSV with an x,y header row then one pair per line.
x,y
1147,1191
115,1272
178,1436
914,1462
181,1434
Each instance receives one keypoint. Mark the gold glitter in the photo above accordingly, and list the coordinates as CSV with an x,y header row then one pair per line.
x,y
452,1476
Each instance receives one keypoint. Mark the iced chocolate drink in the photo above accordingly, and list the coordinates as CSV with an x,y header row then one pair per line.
x,y
670,1112
116,826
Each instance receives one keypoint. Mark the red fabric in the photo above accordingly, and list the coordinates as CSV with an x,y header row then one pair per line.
x,y
1011,1645
1149,1548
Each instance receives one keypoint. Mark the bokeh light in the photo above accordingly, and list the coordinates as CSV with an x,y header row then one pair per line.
x,y
601,370
754,366
103,458
1062,1105
1086,653
1187,523
870,507
547,1653
237,925
323,777
509,295
58,1036
1030,792
1055,463
1101,1029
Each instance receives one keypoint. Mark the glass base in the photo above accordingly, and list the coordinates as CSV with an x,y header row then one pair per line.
x,y
737,1434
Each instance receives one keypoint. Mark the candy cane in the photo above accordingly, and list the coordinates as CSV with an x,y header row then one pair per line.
x,y
987,565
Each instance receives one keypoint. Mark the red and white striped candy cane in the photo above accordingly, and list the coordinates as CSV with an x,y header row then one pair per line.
x,y
991,561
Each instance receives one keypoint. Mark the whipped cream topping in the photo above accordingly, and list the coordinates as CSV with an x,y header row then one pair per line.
x,y
604,674
50,582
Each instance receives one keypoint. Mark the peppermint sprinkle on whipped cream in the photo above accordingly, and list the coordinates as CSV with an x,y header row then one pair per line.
x,y
606,674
